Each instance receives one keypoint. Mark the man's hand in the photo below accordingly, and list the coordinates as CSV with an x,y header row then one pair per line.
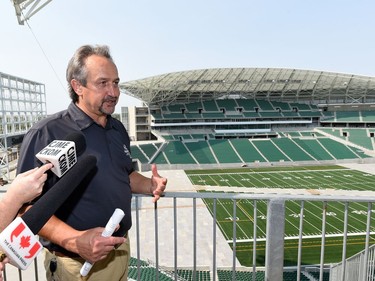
x,y
93,247
158,183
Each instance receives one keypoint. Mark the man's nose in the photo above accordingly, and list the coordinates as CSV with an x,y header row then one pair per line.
x,y
113,89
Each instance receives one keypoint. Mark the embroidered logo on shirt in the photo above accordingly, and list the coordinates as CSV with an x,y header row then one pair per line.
x,y
126,151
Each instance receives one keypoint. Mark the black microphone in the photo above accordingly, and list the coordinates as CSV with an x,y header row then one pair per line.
x,y
18,240
63,153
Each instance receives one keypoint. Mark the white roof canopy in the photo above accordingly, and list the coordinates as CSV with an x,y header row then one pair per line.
x,y
289,85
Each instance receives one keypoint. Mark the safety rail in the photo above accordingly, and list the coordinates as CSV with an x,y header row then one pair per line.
x,y
180,231
275,233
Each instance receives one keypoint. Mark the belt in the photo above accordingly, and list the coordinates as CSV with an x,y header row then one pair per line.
x,y
65,254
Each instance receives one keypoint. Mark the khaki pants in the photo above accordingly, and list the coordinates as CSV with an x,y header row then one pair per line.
x,y
114,267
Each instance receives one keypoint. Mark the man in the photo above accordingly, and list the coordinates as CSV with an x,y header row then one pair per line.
x,y
75,230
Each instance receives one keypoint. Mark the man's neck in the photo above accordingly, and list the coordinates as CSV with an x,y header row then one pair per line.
x,y
99,119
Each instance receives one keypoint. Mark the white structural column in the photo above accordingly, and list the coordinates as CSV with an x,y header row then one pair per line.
x,y
275,240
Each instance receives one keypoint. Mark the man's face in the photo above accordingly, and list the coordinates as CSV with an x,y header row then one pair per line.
x,y
101,93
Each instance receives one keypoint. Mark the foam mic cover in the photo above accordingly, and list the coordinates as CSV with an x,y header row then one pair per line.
x,y
63,153
47,205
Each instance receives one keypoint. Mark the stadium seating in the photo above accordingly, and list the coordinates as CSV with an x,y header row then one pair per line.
x,y
308,113
148,272
240,144
270,151
176,107
235,108
248,145
194,106
137,153
247,104
288,275
187,274
348,116
294,148
201,152
360,137
368,116
191,115
294,152
246,149
160,158
290,114
176,153
210,106
300,106
227,104
251,114
265,105
224,152
213,115
314,148
149,149
282,105
273,114
176,116
225,275
338,150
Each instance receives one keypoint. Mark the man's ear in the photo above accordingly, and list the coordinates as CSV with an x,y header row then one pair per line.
x,y
77,87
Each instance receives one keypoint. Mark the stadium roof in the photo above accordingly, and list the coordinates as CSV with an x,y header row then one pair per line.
x,y
289,85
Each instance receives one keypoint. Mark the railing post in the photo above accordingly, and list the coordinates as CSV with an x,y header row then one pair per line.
x,y
275,240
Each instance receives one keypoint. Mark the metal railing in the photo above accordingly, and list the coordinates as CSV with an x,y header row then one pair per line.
x,y
358,267
274,238
180,231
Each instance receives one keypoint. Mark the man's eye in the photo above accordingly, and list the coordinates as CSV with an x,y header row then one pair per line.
x,y
102,84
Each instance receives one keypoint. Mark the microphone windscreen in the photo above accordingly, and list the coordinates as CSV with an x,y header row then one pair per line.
x,y
63,154
43,209
79,141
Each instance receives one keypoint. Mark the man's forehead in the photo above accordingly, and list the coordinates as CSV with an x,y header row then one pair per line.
x,y
99,67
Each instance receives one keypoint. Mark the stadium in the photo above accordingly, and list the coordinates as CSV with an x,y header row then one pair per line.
x,y
270,171
268,131
291,115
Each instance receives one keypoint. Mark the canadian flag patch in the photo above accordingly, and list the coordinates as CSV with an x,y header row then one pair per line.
x,y
20,244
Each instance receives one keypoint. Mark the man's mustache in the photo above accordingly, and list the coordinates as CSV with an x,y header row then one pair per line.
x,y
111,99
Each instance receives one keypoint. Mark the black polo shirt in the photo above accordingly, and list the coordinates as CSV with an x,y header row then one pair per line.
x,y
106,188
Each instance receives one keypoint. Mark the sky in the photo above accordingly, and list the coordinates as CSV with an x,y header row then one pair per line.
x,y
153,37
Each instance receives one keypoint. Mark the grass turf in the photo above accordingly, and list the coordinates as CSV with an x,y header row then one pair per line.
x,y
310,177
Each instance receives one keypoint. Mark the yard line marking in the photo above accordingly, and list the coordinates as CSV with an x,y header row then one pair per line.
x,y
304,237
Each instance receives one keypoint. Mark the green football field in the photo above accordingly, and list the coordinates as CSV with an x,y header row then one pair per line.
x,y
312,178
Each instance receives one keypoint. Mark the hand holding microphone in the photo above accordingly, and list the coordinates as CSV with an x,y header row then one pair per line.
x,y
112,223
28,185
18,240
24,188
